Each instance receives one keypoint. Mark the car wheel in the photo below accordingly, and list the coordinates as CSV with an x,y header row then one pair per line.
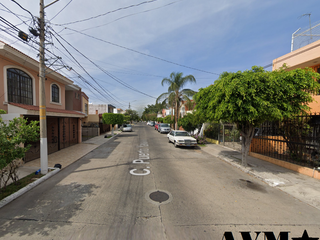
x,y
169,140
175,144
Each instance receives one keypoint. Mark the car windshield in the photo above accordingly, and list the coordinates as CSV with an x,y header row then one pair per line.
x,y
128,125
164,125
182,134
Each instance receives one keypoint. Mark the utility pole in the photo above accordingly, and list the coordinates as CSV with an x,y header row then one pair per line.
x,y
42,93
42,97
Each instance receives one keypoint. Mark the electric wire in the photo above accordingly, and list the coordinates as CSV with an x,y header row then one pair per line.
x,y
148,55
47,50
129,15
106,72
32,17
85,70
61,10
17,15
103,14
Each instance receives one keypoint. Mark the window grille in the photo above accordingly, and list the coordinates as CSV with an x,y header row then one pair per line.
x,y
55,93
20,88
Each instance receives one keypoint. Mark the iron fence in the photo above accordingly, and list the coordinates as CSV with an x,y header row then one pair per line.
x,y
294,140
226,133
89,132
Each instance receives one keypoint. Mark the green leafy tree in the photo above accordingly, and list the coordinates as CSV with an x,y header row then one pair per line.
x,y
160,120
188,122
253,96
175,92
132,115
113,119
153,109
14,137
168,119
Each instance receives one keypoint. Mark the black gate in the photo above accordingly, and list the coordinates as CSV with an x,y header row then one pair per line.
x,y
294,140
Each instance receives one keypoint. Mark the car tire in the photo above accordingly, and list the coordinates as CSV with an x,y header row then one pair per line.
x,y
175,144
169,140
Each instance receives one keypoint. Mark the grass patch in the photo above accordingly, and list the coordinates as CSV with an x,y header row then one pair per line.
x,y
16,186
202,145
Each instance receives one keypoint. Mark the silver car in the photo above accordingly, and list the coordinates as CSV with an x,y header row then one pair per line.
x,y
164,128
126,128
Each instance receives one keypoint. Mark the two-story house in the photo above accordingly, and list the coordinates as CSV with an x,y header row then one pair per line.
x,y
307,56
19,97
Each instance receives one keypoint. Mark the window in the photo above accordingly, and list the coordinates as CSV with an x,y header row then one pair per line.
x,y
19,86
86,108
55,93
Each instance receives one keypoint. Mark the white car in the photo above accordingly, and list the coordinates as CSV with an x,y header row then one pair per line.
x,y
126,128
181,138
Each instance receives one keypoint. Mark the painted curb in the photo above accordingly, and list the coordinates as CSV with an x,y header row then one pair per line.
x,y
27,188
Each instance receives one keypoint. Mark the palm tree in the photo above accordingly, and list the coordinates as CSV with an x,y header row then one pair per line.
x,y
175,92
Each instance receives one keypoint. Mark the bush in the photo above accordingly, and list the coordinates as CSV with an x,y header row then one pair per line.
x,y
200,140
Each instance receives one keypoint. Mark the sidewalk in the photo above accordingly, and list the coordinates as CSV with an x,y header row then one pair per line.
x,y
66,156
302,187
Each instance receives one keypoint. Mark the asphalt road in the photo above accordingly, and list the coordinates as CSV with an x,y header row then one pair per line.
x,y
105,195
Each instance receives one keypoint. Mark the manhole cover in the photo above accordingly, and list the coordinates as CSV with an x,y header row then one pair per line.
x,y
159,196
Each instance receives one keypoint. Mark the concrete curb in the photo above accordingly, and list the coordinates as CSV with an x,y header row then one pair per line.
x,y
27,188
242,168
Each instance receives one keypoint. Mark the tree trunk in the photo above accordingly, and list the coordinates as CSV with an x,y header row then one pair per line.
x,y
247,132
177,115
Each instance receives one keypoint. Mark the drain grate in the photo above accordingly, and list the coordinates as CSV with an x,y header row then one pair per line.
x,y
159,196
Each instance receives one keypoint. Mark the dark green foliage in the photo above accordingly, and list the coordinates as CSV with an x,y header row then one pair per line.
x,y
167,119
112,118
131,115
188,122
253,96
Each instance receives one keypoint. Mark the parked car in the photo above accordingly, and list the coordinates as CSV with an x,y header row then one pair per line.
x,y
181,138
127,128
164,128
151,123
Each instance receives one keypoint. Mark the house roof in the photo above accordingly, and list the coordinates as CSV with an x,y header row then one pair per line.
x,y
84,95
31,109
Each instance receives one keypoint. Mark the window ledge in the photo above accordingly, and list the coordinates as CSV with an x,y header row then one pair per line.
x,y
55,103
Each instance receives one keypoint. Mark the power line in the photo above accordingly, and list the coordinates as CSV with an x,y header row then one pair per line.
x,y
106,72
24,9
12,27
100,15
84,68
129,15
17,15
148,55
61,10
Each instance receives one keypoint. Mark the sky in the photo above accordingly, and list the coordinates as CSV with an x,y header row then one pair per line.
x,y
120,50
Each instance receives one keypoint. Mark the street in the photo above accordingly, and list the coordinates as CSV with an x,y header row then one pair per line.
x,y
106,195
